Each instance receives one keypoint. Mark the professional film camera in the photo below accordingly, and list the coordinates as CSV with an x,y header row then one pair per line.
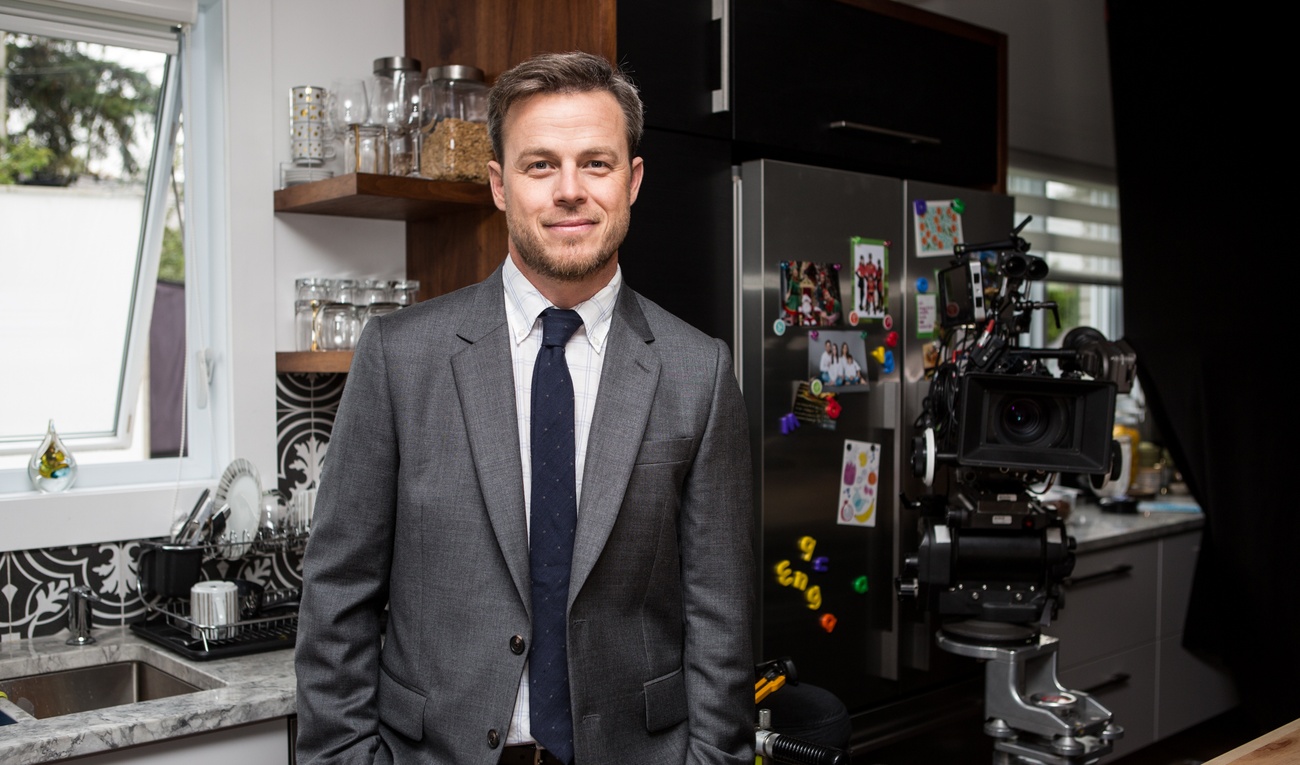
x,y
997,427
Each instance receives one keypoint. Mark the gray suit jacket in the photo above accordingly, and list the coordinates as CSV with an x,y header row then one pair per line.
x,y
421,508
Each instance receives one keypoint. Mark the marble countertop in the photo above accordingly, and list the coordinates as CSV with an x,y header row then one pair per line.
x,y
237,690
261,686
1097,529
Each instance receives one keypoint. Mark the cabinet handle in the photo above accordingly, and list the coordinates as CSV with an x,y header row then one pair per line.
x,y
1119,678
722,96
909,137
1118,571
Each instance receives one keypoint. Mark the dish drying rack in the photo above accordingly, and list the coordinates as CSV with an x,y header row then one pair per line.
x,y
171,627
168,621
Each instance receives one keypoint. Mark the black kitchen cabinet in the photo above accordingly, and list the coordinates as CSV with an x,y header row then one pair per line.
x,y
680,249
792,68
864,86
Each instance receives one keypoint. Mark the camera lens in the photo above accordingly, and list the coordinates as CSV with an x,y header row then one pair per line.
x,y
1028,421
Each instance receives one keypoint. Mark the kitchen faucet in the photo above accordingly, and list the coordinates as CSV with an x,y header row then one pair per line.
x,y
79,600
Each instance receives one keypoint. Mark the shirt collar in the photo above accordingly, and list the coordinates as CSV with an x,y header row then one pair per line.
x,y
524,305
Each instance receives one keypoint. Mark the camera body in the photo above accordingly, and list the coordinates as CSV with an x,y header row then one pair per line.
x,y
997,427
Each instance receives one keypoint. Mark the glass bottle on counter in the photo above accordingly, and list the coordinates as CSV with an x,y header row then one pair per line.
x,y
455,145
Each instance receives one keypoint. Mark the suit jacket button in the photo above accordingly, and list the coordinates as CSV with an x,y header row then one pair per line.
x,y
517,644
494,739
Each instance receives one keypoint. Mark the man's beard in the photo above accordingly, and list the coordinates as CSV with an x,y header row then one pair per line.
x,y
561,263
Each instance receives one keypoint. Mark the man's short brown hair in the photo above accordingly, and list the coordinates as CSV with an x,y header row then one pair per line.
x,y
574,72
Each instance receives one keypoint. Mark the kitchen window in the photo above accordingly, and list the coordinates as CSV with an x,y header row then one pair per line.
x,y
108,305
1075,228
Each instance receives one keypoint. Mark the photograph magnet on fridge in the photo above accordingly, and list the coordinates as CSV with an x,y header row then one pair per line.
x,y
870,277
810,294
839,360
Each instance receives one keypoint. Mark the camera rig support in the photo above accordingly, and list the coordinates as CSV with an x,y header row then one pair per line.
x,y
997,426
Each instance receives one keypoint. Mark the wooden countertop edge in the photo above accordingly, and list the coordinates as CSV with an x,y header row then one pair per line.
x,y
1278,747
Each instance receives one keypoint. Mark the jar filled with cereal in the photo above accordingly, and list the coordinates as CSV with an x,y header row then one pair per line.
x,y
455,145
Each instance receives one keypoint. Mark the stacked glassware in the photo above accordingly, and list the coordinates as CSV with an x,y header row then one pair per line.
x,y
329,314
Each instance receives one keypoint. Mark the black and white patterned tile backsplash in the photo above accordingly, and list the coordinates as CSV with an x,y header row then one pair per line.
x,y
34,584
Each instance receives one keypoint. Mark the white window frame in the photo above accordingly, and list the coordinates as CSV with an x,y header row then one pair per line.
x,y
1044,243
141,500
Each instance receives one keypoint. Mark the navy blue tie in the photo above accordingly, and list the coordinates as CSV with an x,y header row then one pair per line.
x,y
554,517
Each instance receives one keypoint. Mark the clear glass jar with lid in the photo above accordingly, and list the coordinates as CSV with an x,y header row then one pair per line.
x,y
453,103
398,110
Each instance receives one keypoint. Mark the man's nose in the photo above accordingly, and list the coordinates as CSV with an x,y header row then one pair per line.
x,y
570,189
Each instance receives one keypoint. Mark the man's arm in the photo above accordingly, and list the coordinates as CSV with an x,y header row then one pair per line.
x,y
718,574
346,571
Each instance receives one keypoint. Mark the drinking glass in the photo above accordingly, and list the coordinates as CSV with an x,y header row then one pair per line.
x,y
395,104
403,292
377,309
372,291
336,327
348,104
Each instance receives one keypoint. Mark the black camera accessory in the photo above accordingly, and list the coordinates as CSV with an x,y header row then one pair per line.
x,y
1036,423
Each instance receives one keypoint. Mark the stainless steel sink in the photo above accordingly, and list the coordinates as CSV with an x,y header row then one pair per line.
x,y
89,688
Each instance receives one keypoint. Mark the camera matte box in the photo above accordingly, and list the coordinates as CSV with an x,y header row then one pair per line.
x,y
1078,418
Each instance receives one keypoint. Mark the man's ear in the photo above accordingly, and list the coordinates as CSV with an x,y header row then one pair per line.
x,y
638,169
496,182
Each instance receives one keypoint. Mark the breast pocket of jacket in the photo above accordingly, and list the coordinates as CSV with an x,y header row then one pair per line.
x,y
665,451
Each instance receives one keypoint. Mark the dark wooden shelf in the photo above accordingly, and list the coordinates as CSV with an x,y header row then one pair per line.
x,y
312,361
385,197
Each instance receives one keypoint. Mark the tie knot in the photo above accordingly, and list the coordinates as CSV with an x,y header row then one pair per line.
x,y
558,325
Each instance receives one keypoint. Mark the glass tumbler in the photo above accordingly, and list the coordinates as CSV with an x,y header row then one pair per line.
x,y
376,309
366,150
345,291
313,288
336,327
371,291
403,292
304,324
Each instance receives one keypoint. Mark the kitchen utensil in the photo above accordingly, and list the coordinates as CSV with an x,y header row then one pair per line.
x,y
250,598
169,570
273,512
240,488
280,600
192,533
179,529
215,527
214,609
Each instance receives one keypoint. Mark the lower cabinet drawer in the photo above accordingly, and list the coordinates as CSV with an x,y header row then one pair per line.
x,y
1109,603
1125,684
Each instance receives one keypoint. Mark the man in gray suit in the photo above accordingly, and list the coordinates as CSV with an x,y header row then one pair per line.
x,y
424,502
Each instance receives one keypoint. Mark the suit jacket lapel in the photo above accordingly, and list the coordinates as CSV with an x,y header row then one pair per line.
x,y
628,380
484,374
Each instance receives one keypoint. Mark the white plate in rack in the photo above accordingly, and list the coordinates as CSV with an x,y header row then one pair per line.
x,y
241,488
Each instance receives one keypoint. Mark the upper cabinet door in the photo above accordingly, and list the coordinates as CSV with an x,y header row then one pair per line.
x,y
856,84
676,55
884,94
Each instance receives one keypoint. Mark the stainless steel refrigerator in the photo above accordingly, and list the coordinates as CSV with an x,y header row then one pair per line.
x,y
833,453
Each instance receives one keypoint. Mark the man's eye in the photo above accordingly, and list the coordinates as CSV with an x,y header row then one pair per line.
x,y
540,164
598,164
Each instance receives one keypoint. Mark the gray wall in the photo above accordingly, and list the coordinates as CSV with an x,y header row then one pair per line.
x,y
1058,97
